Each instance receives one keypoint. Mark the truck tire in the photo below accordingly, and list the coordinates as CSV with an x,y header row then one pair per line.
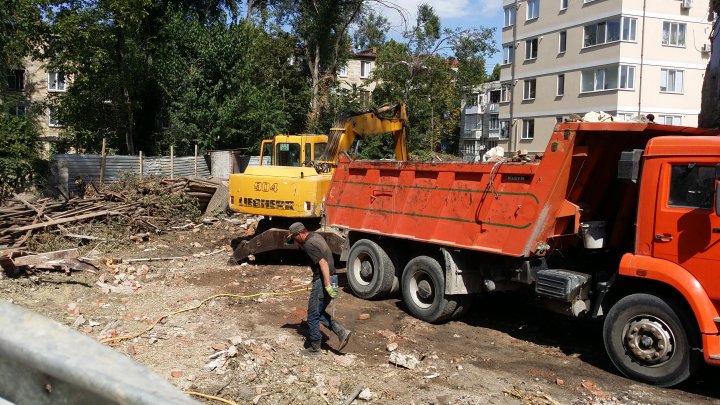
x,y
370,272
423,290
647,340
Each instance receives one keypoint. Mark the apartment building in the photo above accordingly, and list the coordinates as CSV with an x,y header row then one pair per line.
x,y
356,73
623,57
480,121
31,90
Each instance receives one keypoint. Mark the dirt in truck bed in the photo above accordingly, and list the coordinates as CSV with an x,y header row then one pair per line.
x,y
249,350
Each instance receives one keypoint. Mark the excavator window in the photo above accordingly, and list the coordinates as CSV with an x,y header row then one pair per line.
x,y
288,154
320,151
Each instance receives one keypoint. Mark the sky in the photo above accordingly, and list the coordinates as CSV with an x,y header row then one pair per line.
x,y
453,14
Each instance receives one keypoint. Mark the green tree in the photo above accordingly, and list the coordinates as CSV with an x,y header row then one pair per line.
x,y
429,72
371,31
18,152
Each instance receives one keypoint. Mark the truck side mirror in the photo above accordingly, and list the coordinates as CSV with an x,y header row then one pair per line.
x,y
717,192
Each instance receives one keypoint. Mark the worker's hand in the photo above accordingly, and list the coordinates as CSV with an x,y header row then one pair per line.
x,y
332,291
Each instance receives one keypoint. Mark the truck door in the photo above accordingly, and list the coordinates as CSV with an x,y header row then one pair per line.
x,y
687,231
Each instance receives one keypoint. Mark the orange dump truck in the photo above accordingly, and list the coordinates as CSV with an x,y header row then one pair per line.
x,y
619,221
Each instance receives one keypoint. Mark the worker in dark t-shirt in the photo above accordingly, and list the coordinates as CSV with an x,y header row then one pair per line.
x,y
324,287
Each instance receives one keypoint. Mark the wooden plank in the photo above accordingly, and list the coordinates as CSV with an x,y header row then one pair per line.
x,y
61,221
40,258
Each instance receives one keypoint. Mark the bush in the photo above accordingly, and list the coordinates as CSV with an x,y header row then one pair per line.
x,y
18,154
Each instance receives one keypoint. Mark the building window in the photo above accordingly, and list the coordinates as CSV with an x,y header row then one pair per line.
x,y
629,29
531,48
509,16
505,92
611,30
562,46
533,9
494,123
627,77
56,81
529,89
563,4
561,85
365,69
343,71
593,80
473,99
626,116
670,119
608,78
504,129
365,98
473,122
15,79
19,110
495,96
671,80
52,117
528,129
508,54
673,34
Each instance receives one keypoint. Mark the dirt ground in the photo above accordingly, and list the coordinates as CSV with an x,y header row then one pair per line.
x,y
248,350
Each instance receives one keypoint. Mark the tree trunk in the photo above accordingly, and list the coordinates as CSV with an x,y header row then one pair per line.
x,y
314,65
127,100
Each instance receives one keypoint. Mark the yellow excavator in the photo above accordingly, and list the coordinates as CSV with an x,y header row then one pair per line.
x,y
294,175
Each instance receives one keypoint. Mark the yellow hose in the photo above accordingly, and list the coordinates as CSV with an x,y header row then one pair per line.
x,y
179,311
200,394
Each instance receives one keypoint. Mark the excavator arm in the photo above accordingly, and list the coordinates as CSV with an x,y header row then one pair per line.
x,y
372,123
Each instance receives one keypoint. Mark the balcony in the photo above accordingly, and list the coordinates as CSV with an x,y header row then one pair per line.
x,y
474,109
493,108
473,134
494,133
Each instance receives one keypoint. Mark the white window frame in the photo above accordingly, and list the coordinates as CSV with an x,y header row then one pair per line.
x,y
680,30
509,16
678,77
531,48
529,89
494,122
365,72
343,71
508,53
505,92
528,129
670,119
602,29
54,83
628,83
560,88
563,5
533,10
628,29
20,109
562,41
53,122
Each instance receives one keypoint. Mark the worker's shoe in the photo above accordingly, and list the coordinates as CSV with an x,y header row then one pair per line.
x,y
342,334
313,349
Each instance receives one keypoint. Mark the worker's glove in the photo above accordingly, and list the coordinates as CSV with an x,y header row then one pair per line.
x,y
332,291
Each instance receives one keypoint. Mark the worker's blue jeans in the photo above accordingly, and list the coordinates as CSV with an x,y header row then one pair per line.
x,y
317,304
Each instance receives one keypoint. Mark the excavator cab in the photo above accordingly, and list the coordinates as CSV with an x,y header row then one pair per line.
x,y
293,150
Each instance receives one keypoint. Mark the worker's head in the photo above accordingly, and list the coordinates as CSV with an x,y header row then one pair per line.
x,y
297,233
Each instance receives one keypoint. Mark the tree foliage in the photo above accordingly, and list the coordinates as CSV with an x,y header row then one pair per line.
x,y
429,72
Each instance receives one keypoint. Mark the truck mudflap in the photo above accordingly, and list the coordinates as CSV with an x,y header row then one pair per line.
x,y
711,348
275,239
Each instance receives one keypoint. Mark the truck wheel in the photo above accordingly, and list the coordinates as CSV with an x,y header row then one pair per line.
x,y
370,272
423,290
646,340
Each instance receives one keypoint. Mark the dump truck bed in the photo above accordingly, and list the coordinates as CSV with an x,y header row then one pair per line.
x,y
510,208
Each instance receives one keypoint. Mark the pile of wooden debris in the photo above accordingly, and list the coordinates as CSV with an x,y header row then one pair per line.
x,y
137,206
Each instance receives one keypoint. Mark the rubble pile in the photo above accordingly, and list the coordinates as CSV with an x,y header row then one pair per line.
x,y
135,208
